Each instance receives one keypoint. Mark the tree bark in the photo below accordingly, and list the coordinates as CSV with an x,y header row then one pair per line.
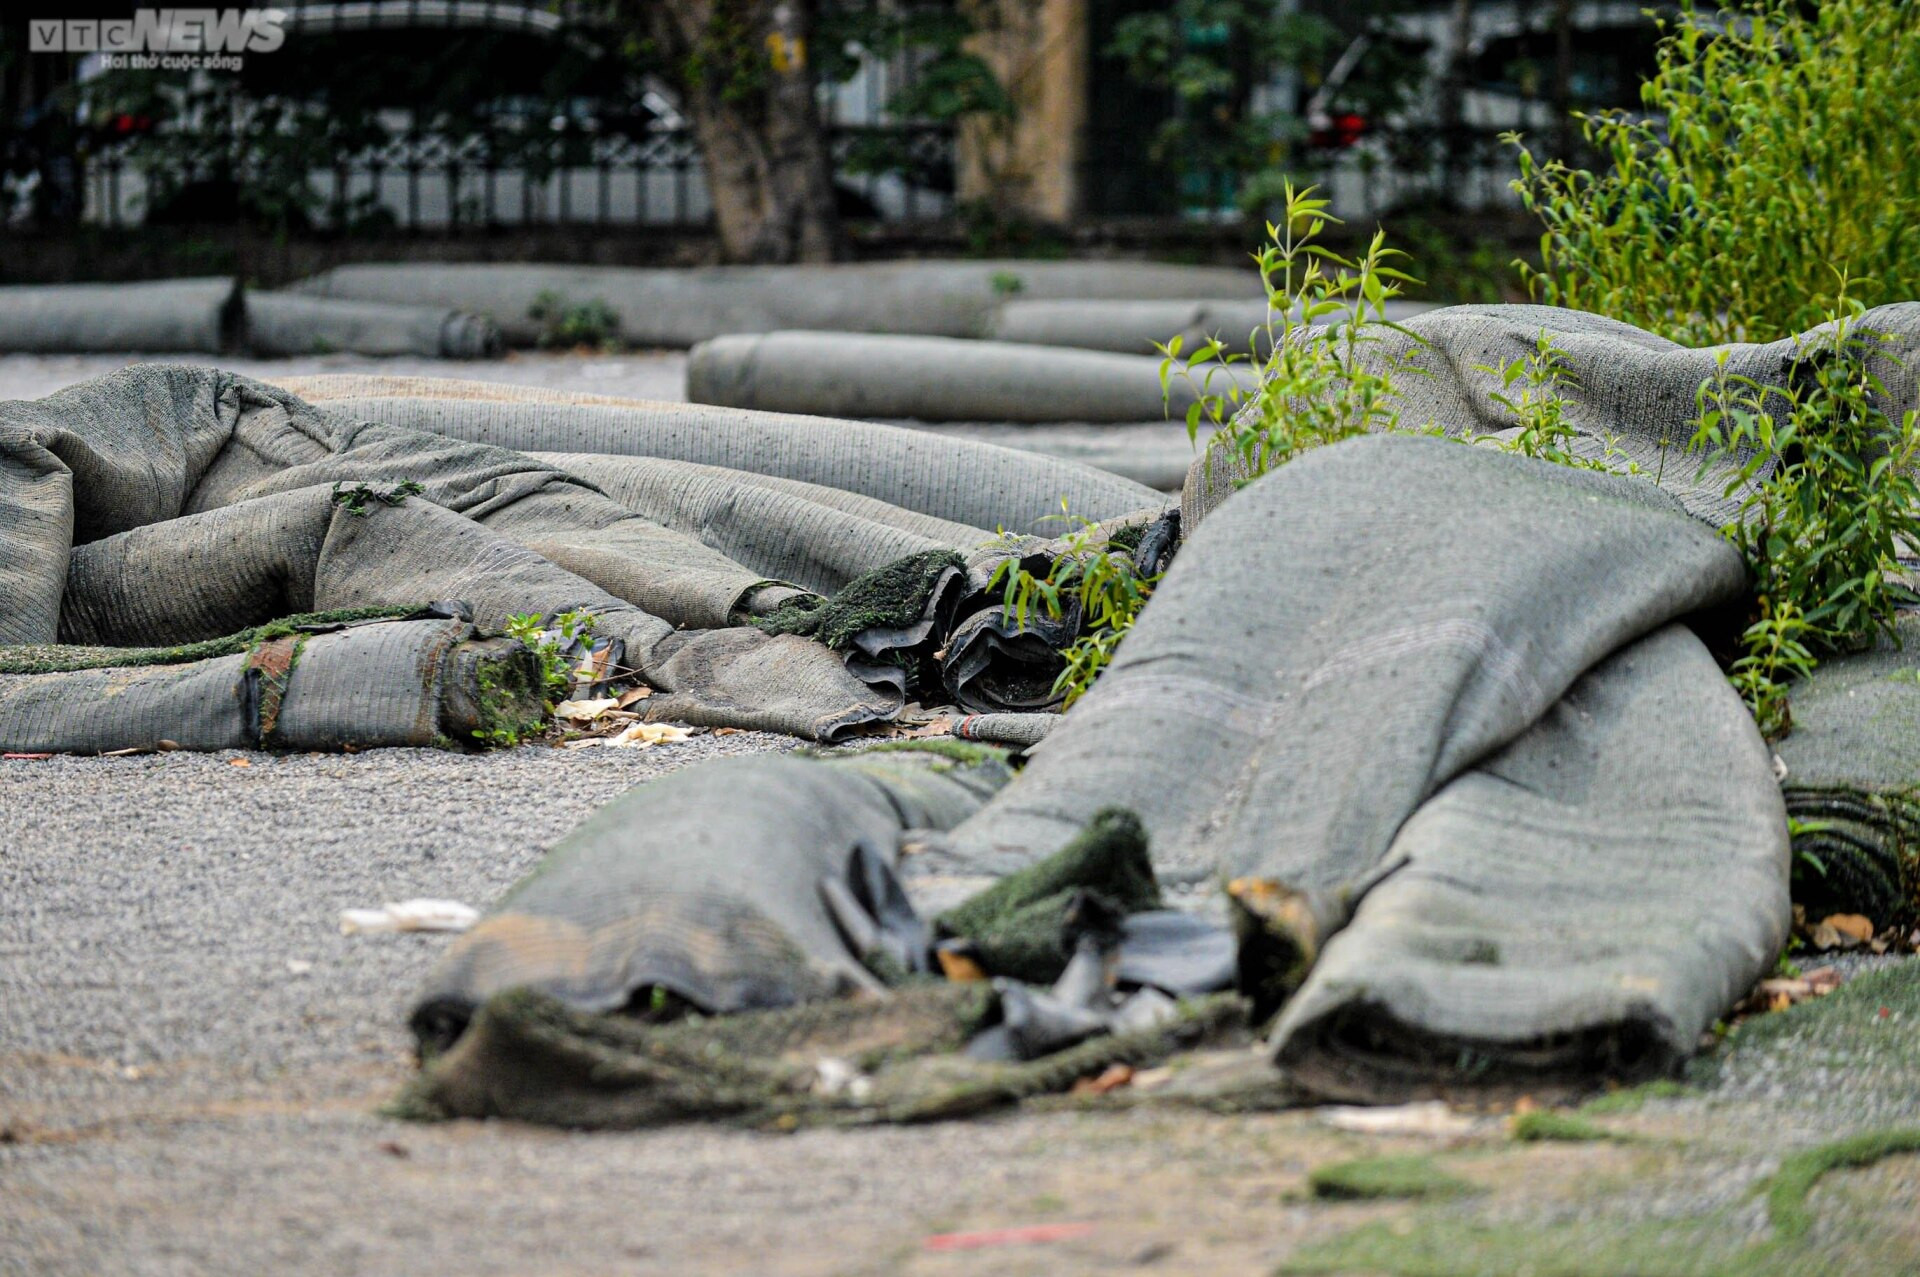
x,y
743,73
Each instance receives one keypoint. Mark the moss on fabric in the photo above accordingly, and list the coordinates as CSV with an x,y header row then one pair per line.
x,y
1021,925
60,658
528,1057
895,596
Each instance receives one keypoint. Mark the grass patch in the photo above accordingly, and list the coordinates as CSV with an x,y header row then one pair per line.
x,y
1542,1125
1631,1099
1384,1178
1787,1193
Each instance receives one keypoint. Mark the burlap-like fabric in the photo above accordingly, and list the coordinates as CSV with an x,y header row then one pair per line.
x,y
1343,640
156,444
1631,391
708,884
680,307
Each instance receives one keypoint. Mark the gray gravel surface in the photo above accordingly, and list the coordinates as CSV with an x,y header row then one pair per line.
x,y
192,1055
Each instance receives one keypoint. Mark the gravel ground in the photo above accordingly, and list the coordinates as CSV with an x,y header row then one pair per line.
x,y
191,1056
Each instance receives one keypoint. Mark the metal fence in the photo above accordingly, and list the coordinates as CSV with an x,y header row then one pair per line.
x,y
522,173
584,161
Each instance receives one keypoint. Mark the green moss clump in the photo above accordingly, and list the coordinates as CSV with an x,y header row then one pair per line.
x,y
894,596
1020,924
966,752
1787,1192
1630,1099
1543,1124
1377,1178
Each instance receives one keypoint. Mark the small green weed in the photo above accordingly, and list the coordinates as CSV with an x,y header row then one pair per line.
x,y
551,641
1533,392
1092,574
567,325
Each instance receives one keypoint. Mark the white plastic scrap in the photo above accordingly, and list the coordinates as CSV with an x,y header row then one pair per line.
x,y
1431,1118
410,915
642,735
584,711
836,1077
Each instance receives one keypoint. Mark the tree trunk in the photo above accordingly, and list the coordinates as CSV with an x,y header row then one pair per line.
x,y
744,77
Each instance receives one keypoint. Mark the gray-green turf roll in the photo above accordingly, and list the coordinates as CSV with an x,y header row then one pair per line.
x,y
1586,902
283,324
680,307
162,316
382,683
1141,327
934,379
1346,637
1853,781
151,445
707,885
1632,395
956,480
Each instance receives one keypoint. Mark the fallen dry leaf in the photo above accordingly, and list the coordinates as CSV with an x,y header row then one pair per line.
x,y
635,696
958,966
647,735
1116,1076
1855,927
1781,992
239,762
584,711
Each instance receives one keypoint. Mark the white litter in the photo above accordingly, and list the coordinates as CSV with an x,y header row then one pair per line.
x,y
410,915
645,735
1431,1118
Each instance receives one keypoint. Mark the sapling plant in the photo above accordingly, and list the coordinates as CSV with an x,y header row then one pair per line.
x,y
1324,312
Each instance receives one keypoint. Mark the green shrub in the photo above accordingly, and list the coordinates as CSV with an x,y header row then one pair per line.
x,y
1835,498
1776,149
